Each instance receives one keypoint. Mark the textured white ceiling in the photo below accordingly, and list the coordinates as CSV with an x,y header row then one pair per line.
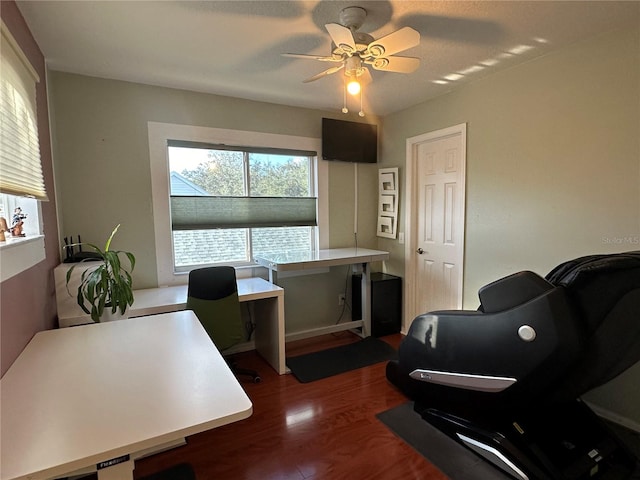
x,y
234,48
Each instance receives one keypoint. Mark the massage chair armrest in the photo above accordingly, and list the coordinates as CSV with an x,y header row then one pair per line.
x,y
511,291
535,340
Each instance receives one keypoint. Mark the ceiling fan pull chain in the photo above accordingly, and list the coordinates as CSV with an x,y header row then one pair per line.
x,y
361,112
344,96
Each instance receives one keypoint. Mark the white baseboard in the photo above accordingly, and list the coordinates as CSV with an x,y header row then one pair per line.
x,y
292,337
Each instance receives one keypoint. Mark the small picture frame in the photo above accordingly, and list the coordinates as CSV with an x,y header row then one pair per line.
x,y
387,205
386,227
388,180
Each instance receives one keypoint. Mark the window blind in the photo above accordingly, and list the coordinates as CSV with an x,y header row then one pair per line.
x,y
202,212
20,165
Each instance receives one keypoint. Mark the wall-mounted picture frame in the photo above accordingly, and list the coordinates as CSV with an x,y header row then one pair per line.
x,y
386,227
388,180
388,185
387,205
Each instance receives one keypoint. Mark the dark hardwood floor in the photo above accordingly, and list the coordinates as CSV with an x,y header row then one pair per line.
x,y
321,430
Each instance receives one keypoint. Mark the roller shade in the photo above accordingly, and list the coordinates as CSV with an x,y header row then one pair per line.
x,y
202,213
19,143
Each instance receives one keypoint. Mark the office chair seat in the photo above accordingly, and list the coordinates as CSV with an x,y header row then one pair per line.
x,y
212,294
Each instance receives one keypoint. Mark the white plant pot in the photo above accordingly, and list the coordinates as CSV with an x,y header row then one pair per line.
x,y
107,316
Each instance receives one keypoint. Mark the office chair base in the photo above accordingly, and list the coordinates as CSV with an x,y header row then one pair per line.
x,y
255,376
250,373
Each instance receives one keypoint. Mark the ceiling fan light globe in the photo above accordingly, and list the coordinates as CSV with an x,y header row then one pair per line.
x,y
353,86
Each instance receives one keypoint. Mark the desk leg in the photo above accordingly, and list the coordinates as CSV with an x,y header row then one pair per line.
x,y
273,276
269,333
366,301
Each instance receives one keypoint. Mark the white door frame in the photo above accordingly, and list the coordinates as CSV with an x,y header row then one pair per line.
x,y
410,220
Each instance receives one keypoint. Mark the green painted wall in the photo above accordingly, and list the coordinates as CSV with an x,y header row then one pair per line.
x,y
103,177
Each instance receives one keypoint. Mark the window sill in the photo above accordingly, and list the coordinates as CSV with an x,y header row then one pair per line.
x,y
16,241
20,254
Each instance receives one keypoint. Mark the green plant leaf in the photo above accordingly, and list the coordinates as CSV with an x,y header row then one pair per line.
x,y
106,247
108,285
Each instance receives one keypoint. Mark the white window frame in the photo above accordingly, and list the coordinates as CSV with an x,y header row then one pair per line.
x,y
161,133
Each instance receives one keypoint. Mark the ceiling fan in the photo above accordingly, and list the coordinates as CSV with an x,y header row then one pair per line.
x,y
354,50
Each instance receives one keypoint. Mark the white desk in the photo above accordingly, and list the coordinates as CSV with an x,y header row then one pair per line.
x,y
267,307
292,261
76,397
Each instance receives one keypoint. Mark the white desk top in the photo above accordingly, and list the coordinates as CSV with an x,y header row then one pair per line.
x,y
301,260
78,396
172,299
148,301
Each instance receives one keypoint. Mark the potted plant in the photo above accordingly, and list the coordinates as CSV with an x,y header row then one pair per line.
x,y
108,285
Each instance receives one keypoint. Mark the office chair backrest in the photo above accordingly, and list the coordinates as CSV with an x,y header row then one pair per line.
x,y
213,296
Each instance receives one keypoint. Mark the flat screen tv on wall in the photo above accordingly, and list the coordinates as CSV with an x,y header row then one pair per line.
x,y
349,141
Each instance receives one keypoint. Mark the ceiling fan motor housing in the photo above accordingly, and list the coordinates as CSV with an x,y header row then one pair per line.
x,y
353,17
353,67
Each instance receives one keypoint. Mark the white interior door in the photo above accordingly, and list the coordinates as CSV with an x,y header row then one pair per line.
x,y
434,253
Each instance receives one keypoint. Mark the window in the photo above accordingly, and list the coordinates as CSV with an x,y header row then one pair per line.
x,y
230,204
230,233
21,178
26,210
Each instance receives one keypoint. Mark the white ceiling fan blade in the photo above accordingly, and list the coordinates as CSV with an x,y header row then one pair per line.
x,y
396,64
312,57
395,42
328,71
342,37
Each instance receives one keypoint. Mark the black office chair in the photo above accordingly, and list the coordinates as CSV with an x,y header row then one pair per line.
x,y
213,296
505,380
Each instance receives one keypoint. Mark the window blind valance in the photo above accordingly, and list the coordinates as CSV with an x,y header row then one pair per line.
x,y
203,213
20,166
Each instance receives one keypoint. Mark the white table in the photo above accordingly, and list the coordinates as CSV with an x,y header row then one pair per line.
x,y
267,309
76,397
309,260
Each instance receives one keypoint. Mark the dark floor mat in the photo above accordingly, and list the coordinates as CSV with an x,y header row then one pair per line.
x,y
326,363
450,457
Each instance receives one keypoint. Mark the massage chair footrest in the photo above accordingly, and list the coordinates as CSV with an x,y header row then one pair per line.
x,y
567,442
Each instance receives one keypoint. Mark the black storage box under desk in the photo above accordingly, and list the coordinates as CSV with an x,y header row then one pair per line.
x,y
386,303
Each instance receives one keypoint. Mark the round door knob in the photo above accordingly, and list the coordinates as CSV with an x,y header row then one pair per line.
x,y
420,251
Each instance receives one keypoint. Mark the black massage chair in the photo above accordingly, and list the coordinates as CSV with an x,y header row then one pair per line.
x,y
506,380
